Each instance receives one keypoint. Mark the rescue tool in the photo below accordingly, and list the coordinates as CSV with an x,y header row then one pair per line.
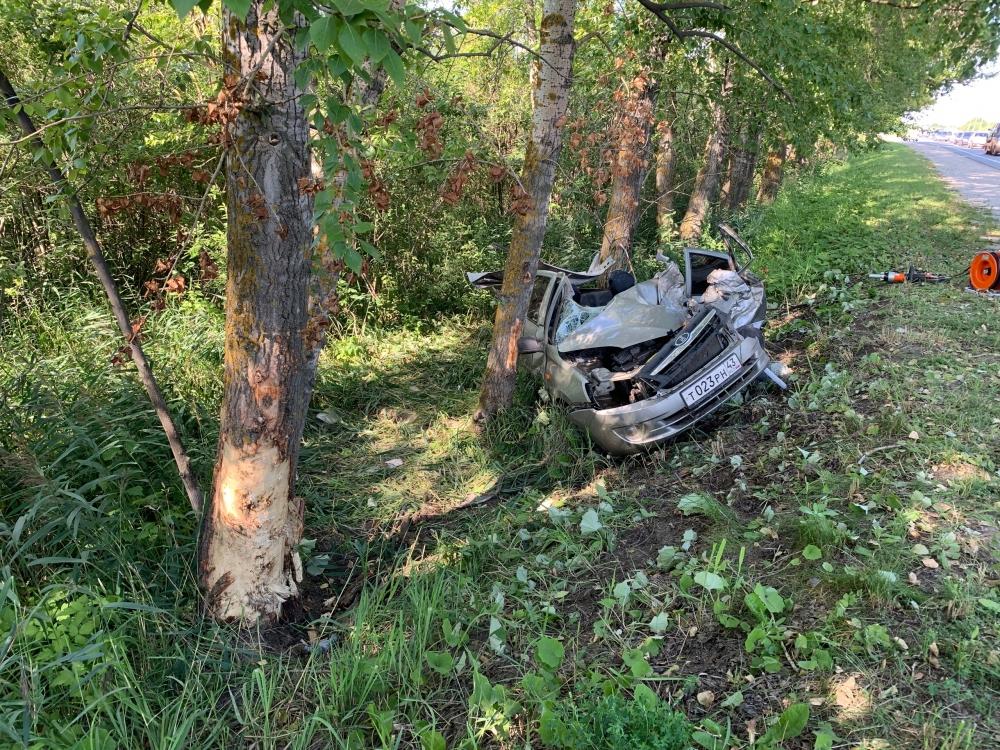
x,y
913,274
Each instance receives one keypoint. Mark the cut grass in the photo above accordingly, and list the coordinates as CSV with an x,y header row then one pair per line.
x,y
441,583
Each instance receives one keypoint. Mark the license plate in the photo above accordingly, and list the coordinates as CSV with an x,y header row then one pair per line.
x,y
711,380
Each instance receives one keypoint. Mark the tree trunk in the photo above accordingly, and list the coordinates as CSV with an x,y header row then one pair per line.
x,y
770,178
549,98
634,128
249,565
665,167
706,184
742,165
531,37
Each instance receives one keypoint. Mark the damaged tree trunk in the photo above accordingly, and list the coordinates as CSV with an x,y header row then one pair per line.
x,y
248,561
549,98
706,184
633,131
770,178
665,167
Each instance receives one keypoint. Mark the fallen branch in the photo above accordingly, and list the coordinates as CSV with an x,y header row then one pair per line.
x,y
118,308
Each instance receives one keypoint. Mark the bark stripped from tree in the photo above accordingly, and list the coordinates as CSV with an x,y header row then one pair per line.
x,y
633,133
248,561
117,306
706,184
665,168
742,165
770,178
549,98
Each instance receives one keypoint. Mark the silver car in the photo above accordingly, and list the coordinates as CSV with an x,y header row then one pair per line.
x,y
637,364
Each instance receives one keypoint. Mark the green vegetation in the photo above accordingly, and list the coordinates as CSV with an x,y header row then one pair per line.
x,y
820,564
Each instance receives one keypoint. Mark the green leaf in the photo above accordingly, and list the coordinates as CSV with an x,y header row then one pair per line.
x,y
695,503
645,697
323,32
708,580
432,740
622,591
350,41
353,259
770,598
550,652
377,44
551,729
183,7
660,623
812,552
414,31
590,523
666,557
733,701
790,724
440,661
393,65
635,660
240,8
825,737
449,40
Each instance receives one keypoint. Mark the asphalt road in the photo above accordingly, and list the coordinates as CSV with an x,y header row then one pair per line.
x,y
971,172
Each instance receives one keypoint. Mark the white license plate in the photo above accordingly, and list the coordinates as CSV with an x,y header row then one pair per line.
x,y
710,381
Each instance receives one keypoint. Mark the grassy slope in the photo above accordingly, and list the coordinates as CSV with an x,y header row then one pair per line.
x,y
473,554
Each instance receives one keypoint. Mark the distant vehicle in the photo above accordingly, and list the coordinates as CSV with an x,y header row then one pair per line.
x,y
992,145
962,138
978,139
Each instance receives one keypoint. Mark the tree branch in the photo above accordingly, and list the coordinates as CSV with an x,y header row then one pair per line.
x,y
87,115
660,11
691,5
117,306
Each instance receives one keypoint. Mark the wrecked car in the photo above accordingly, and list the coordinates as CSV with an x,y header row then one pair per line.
x,y
636,364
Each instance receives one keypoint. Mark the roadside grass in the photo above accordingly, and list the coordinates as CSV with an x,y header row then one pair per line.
x,y
815,569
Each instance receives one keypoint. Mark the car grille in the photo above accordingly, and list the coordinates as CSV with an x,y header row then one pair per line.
x,y
705,346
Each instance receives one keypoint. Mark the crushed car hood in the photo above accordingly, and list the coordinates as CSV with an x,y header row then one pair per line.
x,y
631,317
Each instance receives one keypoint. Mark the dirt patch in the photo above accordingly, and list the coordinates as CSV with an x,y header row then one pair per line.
x,y
851,699
959,471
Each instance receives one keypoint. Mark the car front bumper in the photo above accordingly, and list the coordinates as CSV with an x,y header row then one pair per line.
x,y
627,429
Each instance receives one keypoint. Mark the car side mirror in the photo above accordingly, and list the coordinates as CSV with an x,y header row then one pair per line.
x,y
529,345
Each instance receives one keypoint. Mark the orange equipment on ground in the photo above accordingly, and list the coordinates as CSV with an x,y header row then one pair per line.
x,y
984,271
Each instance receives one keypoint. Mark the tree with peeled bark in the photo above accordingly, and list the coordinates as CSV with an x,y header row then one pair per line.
x,y
277,307
554,68
248,559
706,184
633,133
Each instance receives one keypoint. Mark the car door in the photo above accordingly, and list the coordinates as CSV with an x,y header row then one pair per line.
x,y
532,344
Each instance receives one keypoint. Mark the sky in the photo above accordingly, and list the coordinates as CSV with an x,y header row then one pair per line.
x,y
978,98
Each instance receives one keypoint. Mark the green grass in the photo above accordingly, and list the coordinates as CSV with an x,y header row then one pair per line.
x,y
500,589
